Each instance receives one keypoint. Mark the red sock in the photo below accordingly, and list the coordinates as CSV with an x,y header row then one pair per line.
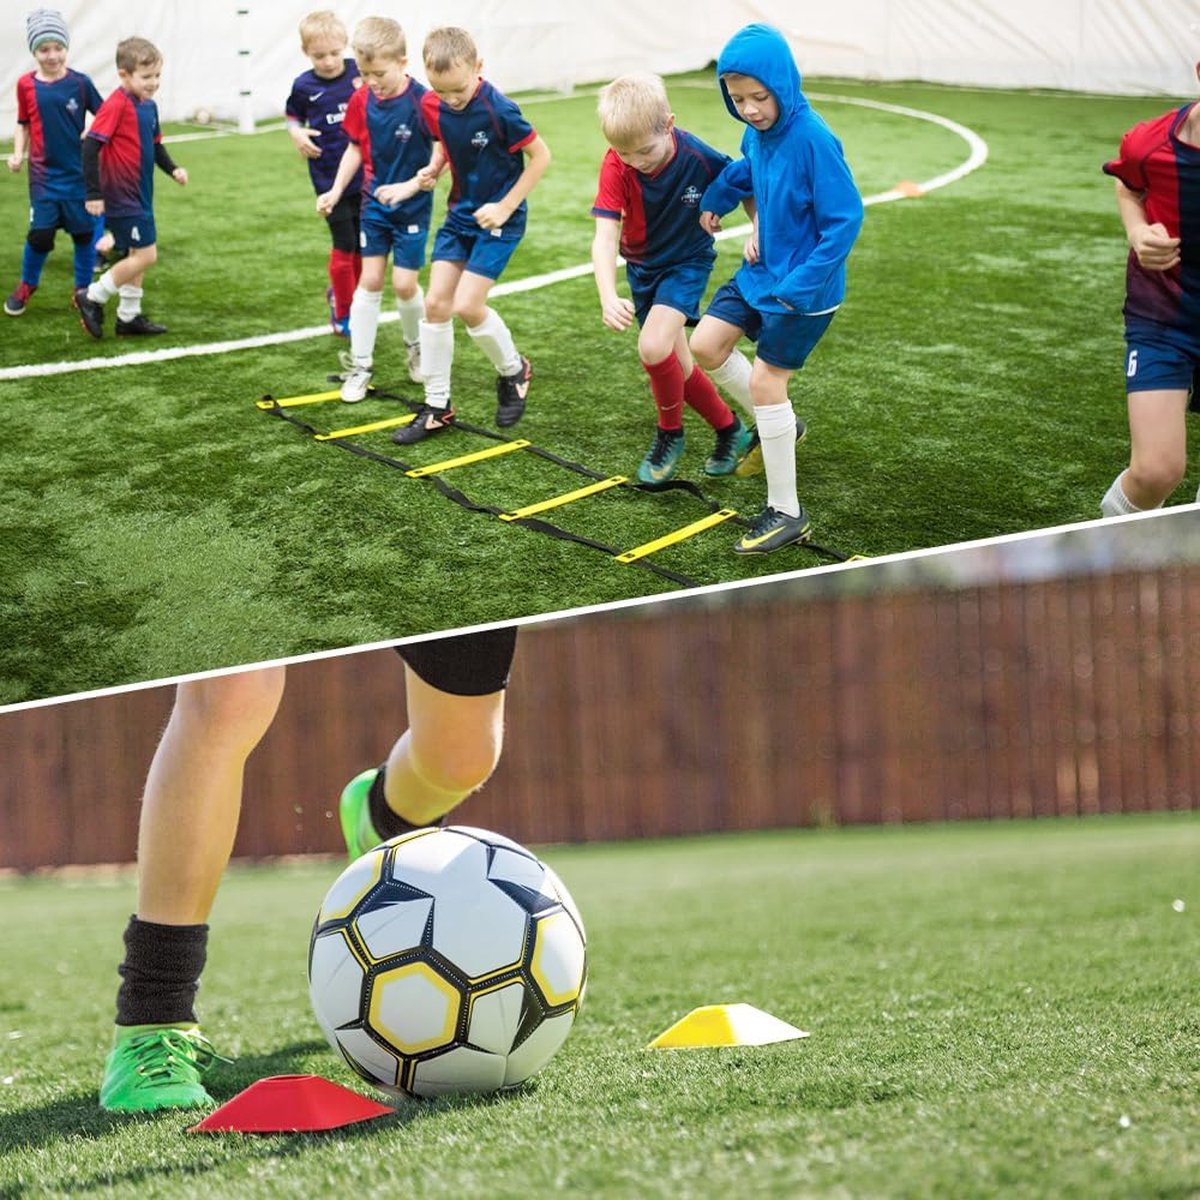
x,y
701,393
344,277
666,383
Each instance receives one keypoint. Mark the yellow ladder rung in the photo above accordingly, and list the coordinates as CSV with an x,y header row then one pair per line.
x,y
565,498
678,536
389,423
294,401
448,464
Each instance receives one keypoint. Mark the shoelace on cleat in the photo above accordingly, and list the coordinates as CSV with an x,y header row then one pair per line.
x,y
157,1054
663,441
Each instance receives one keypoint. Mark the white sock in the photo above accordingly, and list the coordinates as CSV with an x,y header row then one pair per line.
x,y
411,312
364,323
103,289
733,378
437,357
130,303
1115,502
493,338
777,429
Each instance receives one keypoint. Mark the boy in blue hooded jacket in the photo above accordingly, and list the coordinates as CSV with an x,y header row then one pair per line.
x,y
807,214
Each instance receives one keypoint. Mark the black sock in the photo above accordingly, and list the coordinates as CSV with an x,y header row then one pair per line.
x,y
386,821
161,973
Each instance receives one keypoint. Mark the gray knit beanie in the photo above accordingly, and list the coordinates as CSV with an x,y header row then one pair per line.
x,y
46,25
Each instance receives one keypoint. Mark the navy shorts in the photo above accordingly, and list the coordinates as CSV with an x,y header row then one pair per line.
x,y
482,251
784,339
70,215
132,233
1160,358
680,287
382,231
464,664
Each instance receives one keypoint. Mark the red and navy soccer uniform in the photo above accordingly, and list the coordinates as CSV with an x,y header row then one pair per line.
x,y
127,129
483,141
54,113
1162,306
320,104
668,255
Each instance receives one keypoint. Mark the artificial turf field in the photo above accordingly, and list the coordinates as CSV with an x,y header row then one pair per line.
x,y
1006,1010
155,522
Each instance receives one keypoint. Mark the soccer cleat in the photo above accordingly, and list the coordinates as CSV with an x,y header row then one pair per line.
x,y
664,453
428,421
15,304
732,446
139,326
157,1069
773,530
91,314
752,462
412,353
356,385
342,327
355,813
511,391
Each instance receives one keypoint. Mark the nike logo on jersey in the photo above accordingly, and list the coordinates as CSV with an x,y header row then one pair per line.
x,y
317,95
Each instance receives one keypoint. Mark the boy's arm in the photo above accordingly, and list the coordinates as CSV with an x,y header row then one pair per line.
x,y
429,174
1155,249
90,159
839,214
351,161
164,162
20,141
492,216
732,187
302,138
616,312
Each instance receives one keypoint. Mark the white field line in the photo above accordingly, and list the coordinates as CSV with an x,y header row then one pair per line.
x,y
977,156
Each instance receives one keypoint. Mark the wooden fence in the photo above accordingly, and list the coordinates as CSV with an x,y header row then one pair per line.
x,y
754,709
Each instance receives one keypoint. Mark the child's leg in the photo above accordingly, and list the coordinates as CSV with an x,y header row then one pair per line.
x,y
437,331
1158,452
128,272
777,430
364,311
410,304
38,244
345,262
484,324
85,257
659,342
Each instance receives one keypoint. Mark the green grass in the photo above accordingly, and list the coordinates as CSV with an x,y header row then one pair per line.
x,y
155,522
1004,1010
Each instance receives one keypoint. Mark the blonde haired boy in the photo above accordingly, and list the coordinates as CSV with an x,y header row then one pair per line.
x,y
496,158
647,207
315,110
388,137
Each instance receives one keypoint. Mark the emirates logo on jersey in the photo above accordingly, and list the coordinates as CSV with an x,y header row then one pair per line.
x,y
403,133
691,196
480,140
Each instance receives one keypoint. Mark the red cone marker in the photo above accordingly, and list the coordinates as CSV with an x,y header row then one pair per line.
x,y
290,1104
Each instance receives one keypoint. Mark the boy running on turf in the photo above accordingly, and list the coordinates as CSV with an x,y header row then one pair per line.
x,y
647,205
808,213
315,110
52,104
496,158
1158,196
388,138
120,152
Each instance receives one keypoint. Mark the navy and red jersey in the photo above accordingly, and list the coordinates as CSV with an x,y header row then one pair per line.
x,y
55,115
483,141
1166,171
127,130
321,104
395,143
659,212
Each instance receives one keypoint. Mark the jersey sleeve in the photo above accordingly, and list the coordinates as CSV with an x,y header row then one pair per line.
x,y
91,95
25,99
431,104
714,160
354,125
296,107
610,192
518,132
107,118
1129,165
157,138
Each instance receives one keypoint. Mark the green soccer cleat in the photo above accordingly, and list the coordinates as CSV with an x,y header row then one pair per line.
x,y
659,463
355,814
772,530
733,444
152,1068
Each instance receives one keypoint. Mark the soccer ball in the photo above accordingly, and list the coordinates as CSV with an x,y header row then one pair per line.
x,y
447,960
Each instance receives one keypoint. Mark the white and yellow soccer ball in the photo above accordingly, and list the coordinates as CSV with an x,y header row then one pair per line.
x,y
447,960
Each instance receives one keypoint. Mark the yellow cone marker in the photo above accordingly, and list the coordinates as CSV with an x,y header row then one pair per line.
x,y
726,1025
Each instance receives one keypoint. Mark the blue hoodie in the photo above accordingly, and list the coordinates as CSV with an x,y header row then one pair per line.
x,y
809,211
